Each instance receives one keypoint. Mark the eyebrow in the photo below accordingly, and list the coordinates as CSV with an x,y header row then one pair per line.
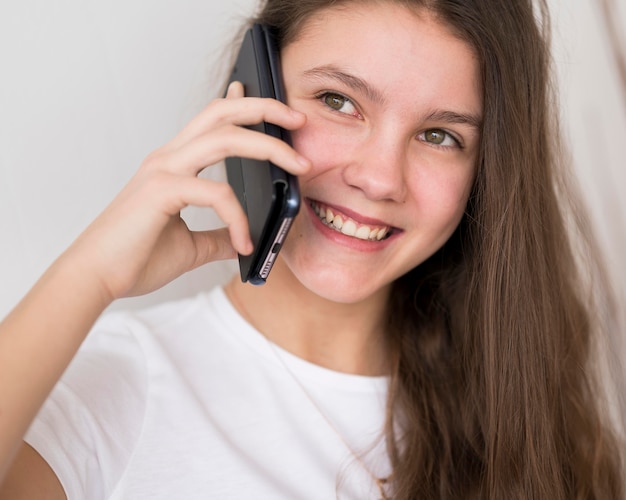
x,y
352,81
456,118
374,95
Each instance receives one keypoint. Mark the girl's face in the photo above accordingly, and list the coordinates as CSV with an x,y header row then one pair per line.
x,y
393,104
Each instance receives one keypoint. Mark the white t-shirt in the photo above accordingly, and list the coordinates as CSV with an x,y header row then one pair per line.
x,y
188,401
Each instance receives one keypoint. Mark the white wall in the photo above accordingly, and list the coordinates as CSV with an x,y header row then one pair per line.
x,y
87,89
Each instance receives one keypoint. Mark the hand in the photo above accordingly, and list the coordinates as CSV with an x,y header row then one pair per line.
x,y
139,243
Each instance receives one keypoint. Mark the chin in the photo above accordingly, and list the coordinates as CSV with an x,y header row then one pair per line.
x,y
338,286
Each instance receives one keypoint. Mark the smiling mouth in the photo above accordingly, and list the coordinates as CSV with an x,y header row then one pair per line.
x,y
345,225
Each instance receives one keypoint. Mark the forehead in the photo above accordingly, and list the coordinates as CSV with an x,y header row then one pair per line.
x,y
390,13
400,51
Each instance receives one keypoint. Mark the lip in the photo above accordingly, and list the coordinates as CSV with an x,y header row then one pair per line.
x,y
361,219
363,245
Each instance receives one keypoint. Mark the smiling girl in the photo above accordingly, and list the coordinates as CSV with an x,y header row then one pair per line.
x,y
423,334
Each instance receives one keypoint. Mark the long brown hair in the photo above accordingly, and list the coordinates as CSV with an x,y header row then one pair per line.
x,y
493,392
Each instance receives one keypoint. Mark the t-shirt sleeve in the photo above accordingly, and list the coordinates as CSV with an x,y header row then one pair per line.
x,y
88,427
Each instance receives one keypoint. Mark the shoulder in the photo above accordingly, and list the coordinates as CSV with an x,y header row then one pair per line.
x,y
89,427
126,351
211,307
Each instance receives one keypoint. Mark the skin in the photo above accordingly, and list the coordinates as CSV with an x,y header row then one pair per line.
x,y
147,246
374,158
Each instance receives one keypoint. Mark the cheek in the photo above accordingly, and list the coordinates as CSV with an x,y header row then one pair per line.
x,y
325,149
441,195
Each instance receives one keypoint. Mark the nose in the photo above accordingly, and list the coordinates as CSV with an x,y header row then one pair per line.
x,y
378,169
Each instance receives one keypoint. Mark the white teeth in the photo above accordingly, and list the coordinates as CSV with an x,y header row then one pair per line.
x,y
329,216
347,226
363,233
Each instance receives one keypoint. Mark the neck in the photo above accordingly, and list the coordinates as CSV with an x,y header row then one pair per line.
x,y
348,338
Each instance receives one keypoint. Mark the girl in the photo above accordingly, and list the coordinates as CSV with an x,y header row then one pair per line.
x,y
424,333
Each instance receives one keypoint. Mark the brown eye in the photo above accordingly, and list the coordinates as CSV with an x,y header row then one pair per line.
x,y
339,103
435,136
439,137
334,101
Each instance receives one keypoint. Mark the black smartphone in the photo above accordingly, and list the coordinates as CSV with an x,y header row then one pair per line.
x,y
270,196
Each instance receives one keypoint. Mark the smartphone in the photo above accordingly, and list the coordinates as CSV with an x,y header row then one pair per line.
x,y
269,195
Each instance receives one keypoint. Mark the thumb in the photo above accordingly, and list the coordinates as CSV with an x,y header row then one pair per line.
x,y
212,245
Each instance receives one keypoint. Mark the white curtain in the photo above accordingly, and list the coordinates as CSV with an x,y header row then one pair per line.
x,y
589,47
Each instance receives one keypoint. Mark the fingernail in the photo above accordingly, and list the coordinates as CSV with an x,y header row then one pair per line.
x,y
231,86
247,248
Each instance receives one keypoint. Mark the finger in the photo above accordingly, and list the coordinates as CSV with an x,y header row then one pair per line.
x,y
235,90
253,110
184,191
232,141
213,245
239,111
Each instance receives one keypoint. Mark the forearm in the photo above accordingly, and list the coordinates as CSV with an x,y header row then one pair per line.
x,y
38,340
138,244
